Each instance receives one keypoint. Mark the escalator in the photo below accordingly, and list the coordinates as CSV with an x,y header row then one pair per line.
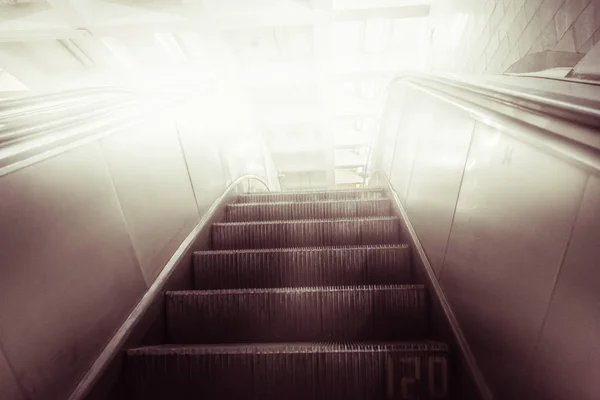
x,y
147,256
304,295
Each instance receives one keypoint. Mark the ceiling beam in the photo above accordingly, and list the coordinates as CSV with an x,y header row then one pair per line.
x,y
40,34
398,12
77,15
74,11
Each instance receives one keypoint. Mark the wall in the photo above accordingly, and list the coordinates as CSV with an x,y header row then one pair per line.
x,y
490,36
511,232
84,235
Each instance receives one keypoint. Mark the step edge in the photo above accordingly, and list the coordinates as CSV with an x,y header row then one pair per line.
x,y
401,246
350,201
308,289
429,345
365,190
305,221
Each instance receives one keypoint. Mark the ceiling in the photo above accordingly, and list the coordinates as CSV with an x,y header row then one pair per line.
x,y
301,65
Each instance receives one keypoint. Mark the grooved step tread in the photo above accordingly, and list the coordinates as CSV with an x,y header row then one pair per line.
x,y
323,202
289,347
308,210
308,221
306,233
314,289
305,296
306,249
304,266
266,197
297,371
382,312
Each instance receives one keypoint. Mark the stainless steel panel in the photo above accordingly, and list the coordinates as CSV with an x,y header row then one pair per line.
x,y
567,358
154,190
383,152
9,389
243,152
513,220
207,170
418,116
436,177
69,275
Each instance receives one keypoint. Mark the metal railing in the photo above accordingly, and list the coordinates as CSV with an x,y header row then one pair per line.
x,y
29,117
563,121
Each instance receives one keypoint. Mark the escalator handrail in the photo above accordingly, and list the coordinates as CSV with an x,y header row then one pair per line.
x,y
31,116
580,143
570,107
29,100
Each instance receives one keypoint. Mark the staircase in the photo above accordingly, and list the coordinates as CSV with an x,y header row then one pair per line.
x,y
305,295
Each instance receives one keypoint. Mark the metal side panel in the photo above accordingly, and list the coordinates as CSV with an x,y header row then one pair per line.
x,y
307,233
298,267
69,275
294,371
9,387
514,216
566,360
419,115
436,178
207,168
154,190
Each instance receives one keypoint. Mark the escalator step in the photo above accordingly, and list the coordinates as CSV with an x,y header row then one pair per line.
x,y
270,197
239,212
290,371
305,233
389,312
297,267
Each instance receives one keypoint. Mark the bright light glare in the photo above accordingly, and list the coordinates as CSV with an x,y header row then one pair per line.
x,y
172,49
242,69
459,24
121,53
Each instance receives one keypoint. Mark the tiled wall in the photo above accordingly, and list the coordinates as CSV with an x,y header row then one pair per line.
x,y
489,36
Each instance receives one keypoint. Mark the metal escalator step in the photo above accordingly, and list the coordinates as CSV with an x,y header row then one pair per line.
x,y
389,312
307,266
239,212
305,233
307,195
290,371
